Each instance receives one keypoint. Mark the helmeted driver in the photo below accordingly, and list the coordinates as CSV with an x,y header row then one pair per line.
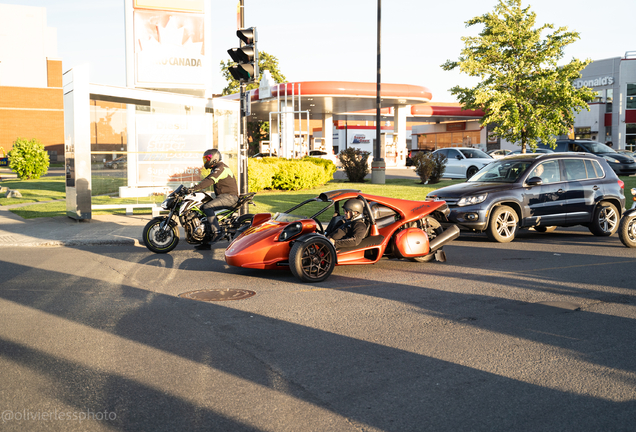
x,y
353,231
225,189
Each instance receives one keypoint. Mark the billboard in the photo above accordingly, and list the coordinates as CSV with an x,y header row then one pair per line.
x,y
167,45
170,148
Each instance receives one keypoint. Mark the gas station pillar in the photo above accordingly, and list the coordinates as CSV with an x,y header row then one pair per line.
x,y
399,129
327,132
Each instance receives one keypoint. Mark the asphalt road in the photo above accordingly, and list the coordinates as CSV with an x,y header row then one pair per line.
x,y
534,335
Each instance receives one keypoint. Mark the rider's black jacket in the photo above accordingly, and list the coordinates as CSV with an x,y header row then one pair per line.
x,y
223,180
350,234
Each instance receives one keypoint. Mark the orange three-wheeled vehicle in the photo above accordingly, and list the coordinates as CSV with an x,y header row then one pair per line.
x,y
396,228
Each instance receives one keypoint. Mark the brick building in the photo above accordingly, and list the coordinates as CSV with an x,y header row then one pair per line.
x,y
31,95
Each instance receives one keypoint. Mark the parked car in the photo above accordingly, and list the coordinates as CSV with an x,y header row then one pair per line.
x,y
500,153
413,153
537,190
463,162
620,163
262,155
324,155
117,163
530,151
628,153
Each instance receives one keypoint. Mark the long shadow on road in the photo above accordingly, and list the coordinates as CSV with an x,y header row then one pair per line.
x,y
368,384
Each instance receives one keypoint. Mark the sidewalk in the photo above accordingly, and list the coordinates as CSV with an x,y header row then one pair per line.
x,y
64,231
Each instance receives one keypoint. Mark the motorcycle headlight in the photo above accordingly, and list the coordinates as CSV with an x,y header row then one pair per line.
x,y
611,159
471,200
290,231
166,204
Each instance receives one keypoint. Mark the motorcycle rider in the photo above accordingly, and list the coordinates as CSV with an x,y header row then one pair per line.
x,y
225,189
354,230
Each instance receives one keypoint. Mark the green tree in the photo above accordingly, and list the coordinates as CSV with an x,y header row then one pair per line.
x,y
265,62
28,159
523,91
257,131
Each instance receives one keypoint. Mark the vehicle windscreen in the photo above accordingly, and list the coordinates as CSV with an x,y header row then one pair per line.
x,y
307,210
502,171
597,147
474,154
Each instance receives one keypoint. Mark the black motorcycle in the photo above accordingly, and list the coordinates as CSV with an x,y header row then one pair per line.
x,y
161,234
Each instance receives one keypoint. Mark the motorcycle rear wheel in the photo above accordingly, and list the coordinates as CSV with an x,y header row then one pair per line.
x,y
158,240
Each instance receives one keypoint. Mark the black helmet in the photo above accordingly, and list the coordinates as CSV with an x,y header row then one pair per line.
x,y
211,157
355,206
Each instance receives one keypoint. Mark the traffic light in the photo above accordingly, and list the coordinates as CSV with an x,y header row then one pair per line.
x,y
246,57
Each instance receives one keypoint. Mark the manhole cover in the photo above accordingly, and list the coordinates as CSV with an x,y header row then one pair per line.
x,y
218,295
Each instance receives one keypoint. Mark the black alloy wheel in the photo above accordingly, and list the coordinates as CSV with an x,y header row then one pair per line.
x,y
312,261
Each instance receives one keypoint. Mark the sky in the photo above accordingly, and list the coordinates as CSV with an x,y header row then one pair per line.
x,y
329,40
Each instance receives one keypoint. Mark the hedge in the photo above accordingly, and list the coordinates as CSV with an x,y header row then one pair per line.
x,y
285,174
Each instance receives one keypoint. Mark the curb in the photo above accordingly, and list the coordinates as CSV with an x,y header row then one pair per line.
x,y
75,243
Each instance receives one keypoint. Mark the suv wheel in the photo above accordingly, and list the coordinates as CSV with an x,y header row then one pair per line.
x,y
471,172
503,224
605,221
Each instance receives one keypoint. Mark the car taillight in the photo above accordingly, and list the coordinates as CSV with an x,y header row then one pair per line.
x,y
621,183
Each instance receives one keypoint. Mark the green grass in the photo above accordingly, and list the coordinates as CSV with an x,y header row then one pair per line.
x,y
42,189
53,188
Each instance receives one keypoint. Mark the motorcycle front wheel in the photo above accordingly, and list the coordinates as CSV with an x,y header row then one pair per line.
x,y
161,240
627,230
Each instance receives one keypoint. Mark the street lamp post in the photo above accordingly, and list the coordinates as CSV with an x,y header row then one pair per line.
x,y
378,167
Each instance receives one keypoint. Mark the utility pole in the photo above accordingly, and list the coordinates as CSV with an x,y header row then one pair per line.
x,y
378,167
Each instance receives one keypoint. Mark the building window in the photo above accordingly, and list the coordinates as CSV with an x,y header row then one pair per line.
x,y
631,96
583,133
630,136
610,100
599,96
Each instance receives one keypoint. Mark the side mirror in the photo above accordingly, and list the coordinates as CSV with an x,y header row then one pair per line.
x,y
458,157
534,181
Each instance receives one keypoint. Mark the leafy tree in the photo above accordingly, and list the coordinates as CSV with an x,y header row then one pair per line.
x,y
257,131
265,62
523,91
28,159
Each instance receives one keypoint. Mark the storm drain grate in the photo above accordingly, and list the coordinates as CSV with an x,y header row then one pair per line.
x,y
210,295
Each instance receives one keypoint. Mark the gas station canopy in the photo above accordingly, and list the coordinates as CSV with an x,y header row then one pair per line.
x,y
334,97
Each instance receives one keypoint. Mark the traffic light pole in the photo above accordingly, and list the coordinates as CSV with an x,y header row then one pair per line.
x,y
243,148
243,126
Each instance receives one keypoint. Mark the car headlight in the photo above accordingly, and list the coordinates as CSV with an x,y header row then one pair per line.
x,y
290,231
471,200
611,159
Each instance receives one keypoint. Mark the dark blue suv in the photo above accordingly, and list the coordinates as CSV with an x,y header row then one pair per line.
x,y
537,190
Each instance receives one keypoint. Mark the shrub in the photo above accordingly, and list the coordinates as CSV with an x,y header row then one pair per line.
x,y
328,166
28,159
260,174
284,174
439,165
355,164
296,175
424,166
